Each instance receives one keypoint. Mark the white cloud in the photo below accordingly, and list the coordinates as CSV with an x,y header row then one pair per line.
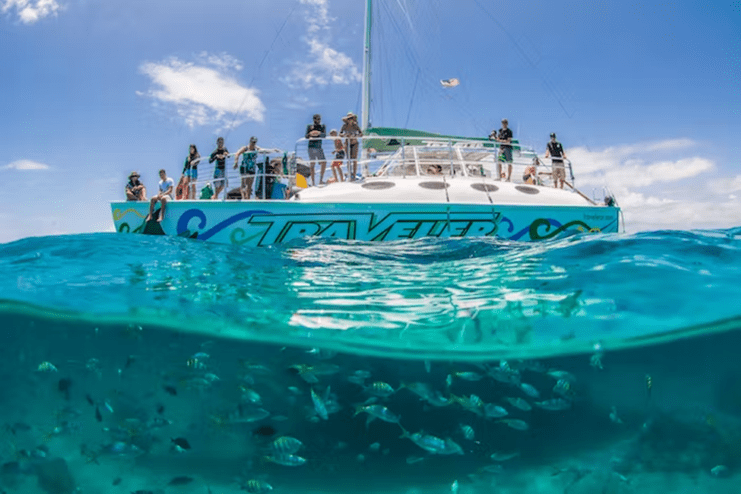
x,y
206,92
324,65
30,11
26,165
662,184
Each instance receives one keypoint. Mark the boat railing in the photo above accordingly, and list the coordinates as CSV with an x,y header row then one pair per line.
x,y
409,157
272,177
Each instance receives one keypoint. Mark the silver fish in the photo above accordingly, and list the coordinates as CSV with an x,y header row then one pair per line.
x,y
248,414
256,486
493,411
286,445
519,403
319,404
555,404
529,390
378,412
469,376
380,389
504,455
468,432
516,424
286,460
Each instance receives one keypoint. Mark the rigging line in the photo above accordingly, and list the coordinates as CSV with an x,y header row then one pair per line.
x,y
259,67
532,64
411,100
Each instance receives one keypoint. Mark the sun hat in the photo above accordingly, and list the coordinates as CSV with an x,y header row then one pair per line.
x,y
134,174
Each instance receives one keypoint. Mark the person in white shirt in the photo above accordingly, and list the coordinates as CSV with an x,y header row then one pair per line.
x,y
166,187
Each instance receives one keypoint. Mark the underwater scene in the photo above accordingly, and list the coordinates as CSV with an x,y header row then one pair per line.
x,y
591,364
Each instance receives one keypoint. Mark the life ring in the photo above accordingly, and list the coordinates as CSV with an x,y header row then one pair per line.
x,y
180,190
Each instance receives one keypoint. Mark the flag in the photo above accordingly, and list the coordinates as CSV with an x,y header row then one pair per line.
x,y
301,181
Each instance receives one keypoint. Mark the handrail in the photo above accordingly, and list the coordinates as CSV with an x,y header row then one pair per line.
x,y
454,156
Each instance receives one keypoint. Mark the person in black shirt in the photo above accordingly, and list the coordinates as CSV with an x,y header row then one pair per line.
x,y
319,132
554,150
219,155
504,138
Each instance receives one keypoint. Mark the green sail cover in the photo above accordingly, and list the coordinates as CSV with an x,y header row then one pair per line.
x,y
413,138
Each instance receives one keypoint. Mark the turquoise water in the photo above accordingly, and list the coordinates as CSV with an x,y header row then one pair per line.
x,y
633,338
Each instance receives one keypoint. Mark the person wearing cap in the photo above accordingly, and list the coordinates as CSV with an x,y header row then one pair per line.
x,y
135,190
247,168
315,132
554,150
166,188
351,130
504,137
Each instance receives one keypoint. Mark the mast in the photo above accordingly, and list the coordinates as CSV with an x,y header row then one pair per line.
x,y
365,111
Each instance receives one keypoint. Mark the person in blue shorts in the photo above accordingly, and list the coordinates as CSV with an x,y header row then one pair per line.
x,y
219,156
247,168
190,172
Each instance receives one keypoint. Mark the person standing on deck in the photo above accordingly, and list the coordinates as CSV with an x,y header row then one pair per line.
x,y
190,172
317,131
219,155
247,168
352,131
504,138
554,150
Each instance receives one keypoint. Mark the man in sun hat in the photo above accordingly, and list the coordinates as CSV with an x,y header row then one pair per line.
x,y
554,150
351,130
135,190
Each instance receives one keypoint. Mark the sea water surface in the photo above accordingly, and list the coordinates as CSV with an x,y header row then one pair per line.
x,y
595,363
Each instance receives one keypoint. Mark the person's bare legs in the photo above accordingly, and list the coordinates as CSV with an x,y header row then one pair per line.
x,y
186,188
509,172
162,209
312,164
151,208
322,169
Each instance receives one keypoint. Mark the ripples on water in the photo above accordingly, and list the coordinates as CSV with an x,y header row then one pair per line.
x,y
121,317
471,299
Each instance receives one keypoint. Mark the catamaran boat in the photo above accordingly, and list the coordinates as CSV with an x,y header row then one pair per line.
x,y
411,185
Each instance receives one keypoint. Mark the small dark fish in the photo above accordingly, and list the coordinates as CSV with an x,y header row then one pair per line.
x,y
264,430
129,361
181,442
19,426
160,409
98,416
171,390
117,481
64,384
10,468
142,491
89,399
181,480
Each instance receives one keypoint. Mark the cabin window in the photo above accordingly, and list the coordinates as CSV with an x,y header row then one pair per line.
x,y
433,185
378,185
527,190
485,187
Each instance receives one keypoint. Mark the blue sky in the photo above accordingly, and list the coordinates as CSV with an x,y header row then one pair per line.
x,y
644,95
